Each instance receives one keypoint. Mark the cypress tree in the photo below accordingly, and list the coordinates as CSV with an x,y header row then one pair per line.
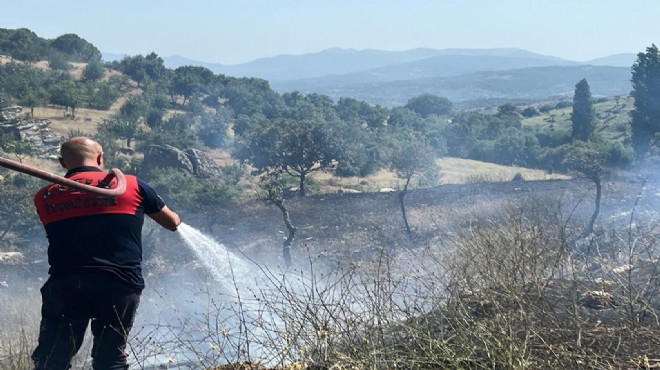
x,y
583,115
645,117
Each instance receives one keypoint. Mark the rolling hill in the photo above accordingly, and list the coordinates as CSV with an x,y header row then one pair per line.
x,y
468,77
478,89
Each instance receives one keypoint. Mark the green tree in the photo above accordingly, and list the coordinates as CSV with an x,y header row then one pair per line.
x,y
76,48
590,160
57,61
361,113
19,148
428,104
295,147
67,93
144,69
19,79
190,81
189,191
529,112
507,110
213,129
248,96
271,181
102,95
17,218
33,99
311,106
404,117
413,157
361,151
583,115
93,71
645,117
126,123
25,45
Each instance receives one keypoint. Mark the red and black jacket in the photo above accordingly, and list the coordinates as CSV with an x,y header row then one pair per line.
x,y
90,233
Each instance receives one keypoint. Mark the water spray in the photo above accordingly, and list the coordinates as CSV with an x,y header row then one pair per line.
x,y
61,180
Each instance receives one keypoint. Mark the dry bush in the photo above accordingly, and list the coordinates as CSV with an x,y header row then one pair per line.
x,y
17,330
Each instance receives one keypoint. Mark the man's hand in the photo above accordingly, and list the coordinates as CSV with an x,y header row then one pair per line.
x,y
166,218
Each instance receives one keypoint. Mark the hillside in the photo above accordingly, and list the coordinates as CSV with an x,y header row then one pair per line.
x,y
612,118
494,86
452,170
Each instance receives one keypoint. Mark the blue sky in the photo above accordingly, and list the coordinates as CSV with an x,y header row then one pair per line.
x,y
238,31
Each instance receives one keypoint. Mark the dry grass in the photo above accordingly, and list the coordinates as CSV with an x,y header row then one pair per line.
x,y
4,59
86,120
459,171
452,171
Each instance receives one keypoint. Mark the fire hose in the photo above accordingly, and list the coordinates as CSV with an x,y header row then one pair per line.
x,y
20,167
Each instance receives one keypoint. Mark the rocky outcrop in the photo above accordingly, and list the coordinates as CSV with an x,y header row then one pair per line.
x,y
193,161
37,132
203,165
166,156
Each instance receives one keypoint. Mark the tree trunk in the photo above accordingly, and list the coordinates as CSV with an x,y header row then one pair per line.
x,y
599,191
291,232
301,185
31,112
402,195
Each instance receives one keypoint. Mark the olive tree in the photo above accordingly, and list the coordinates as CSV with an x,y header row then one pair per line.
x,y
412,157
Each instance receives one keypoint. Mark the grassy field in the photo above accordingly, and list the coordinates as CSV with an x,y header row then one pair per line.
x,y
452,171
612,118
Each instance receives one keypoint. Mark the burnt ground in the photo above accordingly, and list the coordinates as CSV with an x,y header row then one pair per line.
x,y
356,227
353,225
340,227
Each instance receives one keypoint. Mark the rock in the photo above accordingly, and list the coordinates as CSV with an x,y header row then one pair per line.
x,y
166,156
193,161
203,164
35,131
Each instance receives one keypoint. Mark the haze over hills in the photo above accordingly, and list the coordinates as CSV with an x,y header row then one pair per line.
x,y
478,89
467,77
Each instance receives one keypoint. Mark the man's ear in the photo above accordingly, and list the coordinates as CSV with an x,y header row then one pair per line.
x,y
99,159
62,162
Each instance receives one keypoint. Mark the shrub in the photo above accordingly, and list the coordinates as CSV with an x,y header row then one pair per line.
x,y
530,112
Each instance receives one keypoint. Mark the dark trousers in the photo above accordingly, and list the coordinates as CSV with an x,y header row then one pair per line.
x,y
68,305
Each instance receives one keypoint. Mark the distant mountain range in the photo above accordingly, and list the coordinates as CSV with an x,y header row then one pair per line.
x,y
467,77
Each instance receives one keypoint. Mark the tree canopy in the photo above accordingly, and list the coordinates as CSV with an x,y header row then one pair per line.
x,y
428,104
295,147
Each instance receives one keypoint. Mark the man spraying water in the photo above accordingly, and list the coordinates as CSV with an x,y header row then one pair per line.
x,y
95,255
